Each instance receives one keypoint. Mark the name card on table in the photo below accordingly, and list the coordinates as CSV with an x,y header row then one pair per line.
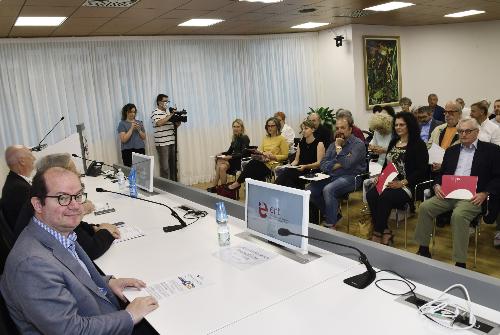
x,y
459,187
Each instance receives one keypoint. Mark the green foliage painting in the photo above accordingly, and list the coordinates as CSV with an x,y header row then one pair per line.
x,y
382,70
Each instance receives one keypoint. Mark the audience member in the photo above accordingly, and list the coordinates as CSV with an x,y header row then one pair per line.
x,y
286,131
405,104
164,132
409,155
496,112
344,159
437,111
132,134
472,157
272,151
377,109
230,160
355,130
446,134
94,239
488,130
321,132
426,121
16,190
307,158
49,284
465,110
389,110
381,124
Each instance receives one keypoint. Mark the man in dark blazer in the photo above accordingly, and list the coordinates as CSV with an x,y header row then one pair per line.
x,y
16,190
469,158
49,284
427,122
321,132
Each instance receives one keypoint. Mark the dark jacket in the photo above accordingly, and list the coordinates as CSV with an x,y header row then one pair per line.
x,y
324,134
416,162
95,243
15,193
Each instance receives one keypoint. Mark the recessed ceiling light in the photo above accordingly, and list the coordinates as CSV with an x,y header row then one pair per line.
x,y
310,25
39,21
465,13
264,1
200,22
385,7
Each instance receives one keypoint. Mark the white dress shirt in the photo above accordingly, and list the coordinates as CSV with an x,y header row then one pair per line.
x,y
489,132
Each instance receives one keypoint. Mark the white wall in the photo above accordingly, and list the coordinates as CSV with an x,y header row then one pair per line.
x,y
454,60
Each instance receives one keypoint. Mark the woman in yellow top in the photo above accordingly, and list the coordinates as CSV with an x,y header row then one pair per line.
x,y
273,149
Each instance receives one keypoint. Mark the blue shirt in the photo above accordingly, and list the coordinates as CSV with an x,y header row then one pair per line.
x,y
425,131
465,159
68,243
438,113
135,141
352,158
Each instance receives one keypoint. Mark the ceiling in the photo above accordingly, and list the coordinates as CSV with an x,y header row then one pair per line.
x,y
161,17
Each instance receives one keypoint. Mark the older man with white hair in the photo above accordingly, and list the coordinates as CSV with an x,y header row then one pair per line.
x,y
16,190
471,158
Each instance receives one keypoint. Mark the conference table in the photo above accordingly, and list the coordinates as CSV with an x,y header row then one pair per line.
x,y
277,295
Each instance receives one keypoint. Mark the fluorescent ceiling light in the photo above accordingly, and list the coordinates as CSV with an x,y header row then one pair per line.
x,y
385,7
465,13
39,21
310,25
264,1
200,22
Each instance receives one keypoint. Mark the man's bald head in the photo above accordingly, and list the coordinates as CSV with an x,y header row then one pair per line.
x,y
20,159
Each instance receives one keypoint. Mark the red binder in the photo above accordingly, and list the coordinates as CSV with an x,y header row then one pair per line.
x,y
459,187
390,172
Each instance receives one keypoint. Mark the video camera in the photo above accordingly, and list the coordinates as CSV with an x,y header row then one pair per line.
x,y
179,116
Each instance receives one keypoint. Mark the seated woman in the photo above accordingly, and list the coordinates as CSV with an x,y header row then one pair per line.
x,y
132,134
230,161
308,157
381,124
95,240
273,149
409,155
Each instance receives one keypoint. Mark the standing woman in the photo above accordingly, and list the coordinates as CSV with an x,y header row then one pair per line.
x,y
132,134
409,155
230,160
308,157
272,150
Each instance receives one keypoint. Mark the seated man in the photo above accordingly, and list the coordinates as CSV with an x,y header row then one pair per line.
x,y
321,132
16,190
471,158
344,159
49,284
426,122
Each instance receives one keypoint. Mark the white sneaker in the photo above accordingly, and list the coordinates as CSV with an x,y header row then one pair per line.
x,y
496,240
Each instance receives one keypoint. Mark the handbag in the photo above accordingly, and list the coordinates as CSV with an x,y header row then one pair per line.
x,y
224,191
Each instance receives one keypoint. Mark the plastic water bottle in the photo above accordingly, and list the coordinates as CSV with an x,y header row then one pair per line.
x,y
121,180
131,182
222,227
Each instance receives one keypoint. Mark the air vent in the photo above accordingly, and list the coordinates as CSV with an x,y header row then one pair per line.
x,y
110,3
307,10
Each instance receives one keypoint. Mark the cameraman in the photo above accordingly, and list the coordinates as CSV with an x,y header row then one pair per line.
x,y
164,132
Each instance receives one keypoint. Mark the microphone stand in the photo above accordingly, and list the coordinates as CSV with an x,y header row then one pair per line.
x,y
359,281
166,229
41,146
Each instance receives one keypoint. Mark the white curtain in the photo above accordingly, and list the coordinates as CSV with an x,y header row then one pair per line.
x,y
216,79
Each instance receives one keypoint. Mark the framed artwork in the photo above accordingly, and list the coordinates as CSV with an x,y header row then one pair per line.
x,y
382,70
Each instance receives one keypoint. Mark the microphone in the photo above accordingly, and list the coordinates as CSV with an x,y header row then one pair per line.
x,y
166,229
41,146
359,281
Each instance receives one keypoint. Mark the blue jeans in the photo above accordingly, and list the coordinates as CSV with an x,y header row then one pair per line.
x,y
325,194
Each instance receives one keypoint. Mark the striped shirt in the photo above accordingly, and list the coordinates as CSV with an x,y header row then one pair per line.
x,y
164,135
68,243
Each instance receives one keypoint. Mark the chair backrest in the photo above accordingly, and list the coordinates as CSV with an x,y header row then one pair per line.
x,y
6,239
7,326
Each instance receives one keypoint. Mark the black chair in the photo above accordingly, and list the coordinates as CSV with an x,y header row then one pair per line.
x,y
7,326
6,239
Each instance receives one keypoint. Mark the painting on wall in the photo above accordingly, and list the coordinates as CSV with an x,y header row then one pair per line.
x,y
382,70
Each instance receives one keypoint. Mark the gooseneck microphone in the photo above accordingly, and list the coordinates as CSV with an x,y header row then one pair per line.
x,y
41,146
359,281
166,229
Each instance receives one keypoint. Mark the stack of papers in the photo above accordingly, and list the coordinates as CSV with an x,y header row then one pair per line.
x,y
128,233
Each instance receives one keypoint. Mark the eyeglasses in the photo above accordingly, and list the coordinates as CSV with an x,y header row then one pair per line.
x,y
450,112
465,131
65,199
165,101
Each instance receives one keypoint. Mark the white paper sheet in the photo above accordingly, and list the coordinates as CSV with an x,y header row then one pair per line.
x,y
244,256
128,233
319,176
436,154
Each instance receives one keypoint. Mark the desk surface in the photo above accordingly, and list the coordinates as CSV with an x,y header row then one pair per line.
x,y
278,296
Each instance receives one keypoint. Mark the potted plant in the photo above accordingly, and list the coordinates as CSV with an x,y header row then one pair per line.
x,y
326,115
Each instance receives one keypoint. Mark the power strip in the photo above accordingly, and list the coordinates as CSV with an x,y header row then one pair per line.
x,y
481,327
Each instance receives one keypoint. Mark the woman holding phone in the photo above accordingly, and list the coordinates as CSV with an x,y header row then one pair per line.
x,y
132,134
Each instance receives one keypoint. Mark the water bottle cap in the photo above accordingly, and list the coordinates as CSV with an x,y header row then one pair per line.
x,y
220,212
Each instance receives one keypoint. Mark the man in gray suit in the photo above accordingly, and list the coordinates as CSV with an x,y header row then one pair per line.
x,y
49,284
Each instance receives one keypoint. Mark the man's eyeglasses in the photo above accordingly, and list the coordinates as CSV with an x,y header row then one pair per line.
x,y
465,131
65,199
450,112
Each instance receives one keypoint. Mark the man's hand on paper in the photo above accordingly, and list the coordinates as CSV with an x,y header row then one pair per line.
x,y
140,307
439,193
117,285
